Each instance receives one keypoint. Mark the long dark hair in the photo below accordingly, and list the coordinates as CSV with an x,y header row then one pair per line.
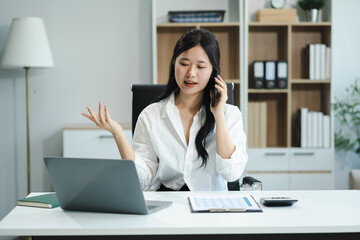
x,y
210,45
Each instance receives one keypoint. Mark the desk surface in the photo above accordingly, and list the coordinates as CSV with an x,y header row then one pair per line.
x,y
316,212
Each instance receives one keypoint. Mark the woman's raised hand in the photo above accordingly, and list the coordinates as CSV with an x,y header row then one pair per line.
x,y
103,121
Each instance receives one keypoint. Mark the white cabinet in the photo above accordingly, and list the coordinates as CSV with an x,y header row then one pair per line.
x,y
85,142
292,169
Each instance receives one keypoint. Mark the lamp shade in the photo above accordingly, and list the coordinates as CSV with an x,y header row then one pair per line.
x,y
27,44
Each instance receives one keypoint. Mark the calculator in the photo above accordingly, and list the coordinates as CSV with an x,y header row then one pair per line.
x,y
277,201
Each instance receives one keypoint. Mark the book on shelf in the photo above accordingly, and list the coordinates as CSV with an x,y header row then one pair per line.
x,y
311,61
322,60
319,61
328,63
45,201
257,119
309,130
302,127
326,131
313,129
320,120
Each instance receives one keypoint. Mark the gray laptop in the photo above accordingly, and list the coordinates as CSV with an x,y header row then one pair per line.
x,y
99,185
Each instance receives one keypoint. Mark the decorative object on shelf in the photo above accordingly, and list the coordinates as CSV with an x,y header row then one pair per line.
x,y
276,15
277,3
196,16
27,47
312,8
347,113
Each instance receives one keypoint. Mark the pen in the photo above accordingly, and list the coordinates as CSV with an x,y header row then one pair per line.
x,y
227,209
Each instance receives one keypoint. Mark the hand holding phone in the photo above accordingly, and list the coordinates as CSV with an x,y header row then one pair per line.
x,y
215,92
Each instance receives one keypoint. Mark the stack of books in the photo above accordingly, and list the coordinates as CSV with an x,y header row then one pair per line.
x,y
319,62
313,129
257,128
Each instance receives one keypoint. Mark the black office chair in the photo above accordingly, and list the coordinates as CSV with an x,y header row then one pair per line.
x,y
145,94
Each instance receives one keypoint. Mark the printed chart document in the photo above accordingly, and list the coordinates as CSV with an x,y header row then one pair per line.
x,y
225,203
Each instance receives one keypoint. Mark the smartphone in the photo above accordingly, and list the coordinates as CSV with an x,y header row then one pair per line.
x,y
215,92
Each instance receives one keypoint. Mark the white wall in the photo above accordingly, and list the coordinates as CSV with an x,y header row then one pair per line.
x,y
346,68
99,47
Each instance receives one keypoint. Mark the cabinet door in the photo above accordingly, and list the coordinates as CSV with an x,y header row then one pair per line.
x,y
311,160
312,181
270,166
90,144
272,181
268,159
311,169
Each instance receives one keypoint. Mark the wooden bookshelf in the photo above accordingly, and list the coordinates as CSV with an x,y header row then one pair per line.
x,y
281,41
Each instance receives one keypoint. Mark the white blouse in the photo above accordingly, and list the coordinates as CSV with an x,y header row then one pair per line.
x,y
162,154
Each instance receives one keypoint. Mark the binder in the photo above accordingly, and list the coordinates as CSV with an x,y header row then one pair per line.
x,y
258,80
282,74
226,203
270,74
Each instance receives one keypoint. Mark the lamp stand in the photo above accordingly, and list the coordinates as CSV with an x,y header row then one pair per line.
x,y
27,128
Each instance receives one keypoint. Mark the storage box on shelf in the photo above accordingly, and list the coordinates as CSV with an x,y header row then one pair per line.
x,y
276,15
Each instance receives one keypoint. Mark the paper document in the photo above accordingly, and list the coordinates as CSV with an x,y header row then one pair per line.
x,y
235,203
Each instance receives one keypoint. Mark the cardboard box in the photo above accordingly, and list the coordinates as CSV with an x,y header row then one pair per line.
x,y
276,15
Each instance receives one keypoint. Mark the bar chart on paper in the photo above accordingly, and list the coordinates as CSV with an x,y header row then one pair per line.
x,y
238,203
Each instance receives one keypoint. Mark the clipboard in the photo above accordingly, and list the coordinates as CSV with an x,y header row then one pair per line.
x,y
223,204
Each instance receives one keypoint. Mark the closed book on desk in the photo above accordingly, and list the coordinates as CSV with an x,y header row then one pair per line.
x,y
45,201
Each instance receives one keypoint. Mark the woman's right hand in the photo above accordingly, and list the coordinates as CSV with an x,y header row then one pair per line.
x,y
104,122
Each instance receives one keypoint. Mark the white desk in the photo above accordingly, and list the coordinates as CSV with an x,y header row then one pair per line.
x,y
317,212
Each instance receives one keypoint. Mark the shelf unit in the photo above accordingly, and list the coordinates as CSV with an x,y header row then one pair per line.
x,y
281,164
282,41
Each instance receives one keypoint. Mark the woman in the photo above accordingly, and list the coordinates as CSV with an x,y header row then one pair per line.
x,y
182,142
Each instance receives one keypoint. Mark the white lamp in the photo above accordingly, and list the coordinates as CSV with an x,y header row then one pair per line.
x,y
27,47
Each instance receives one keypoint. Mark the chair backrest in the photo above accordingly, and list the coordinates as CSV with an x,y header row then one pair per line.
x,y
145,94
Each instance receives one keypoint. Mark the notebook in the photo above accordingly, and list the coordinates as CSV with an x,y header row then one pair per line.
x,y
44,200
99,185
